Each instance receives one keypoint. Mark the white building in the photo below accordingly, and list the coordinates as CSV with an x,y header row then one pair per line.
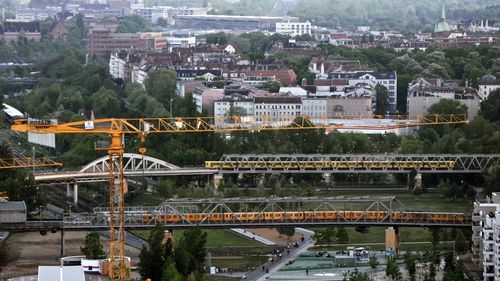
x,y
487,84
243,107
33,14
422,95
386,79
152,14
277,108
294,91
118,66
293,28
180,42
314,108
486,237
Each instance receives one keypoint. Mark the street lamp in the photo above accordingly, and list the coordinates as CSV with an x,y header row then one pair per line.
x,y
171,107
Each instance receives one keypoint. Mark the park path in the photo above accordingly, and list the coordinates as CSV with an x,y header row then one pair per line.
x,y
259,275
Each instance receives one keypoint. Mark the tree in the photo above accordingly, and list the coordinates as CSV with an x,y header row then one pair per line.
x,y
161,85
410,263
446,189
447,106
357,276
93,248
152,257
492,178
434,238
392,269
325,235
460,243
490,108
382,99
342,236
170,273
190,252
373,263
219,38
105,103
80,24
133,24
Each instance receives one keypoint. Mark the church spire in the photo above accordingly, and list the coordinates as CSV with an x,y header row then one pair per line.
x,y
443,15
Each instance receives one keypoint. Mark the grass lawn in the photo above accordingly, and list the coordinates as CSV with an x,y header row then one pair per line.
x,y
147,199
430,201
215,238
238,264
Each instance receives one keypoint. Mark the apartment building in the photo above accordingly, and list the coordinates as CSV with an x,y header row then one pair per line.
x,y
332,107
487,84
277,108
293,28
386,79
423,93
486,237
14,30
101,41
241,106
204,98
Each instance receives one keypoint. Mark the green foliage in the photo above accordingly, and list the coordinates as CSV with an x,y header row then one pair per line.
x,y
435,239
325,236
411,15
392,269
106,103
373,262
342,236
190,251
410,263
166,188
161,85
490,108
453,269
460,243
447,106
153,256
170,273
382,99
133,24
219,38
357,276
93,248
492,178
272,86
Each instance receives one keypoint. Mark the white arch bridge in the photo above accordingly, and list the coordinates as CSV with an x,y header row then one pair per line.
x,y
135,165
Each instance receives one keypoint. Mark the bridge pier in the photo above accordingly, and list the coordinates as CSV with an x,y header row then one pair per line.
x,y
217,181
327,177
392,239
63,249
72,191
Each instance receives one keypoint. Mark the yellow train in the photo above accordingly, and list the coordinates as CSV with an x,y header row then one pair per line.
x,y
330,165
373,216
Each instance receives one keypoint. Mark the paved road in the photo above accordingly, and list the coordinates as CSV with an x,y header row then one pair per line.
x,y
259,275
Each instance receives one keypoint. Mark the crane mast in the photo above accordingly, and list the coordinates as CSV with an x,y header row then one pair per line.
x,y
117,128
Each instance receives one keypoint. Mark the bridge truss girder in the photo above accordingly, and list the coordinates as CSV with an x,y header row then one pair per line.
x,y
376,211
354,163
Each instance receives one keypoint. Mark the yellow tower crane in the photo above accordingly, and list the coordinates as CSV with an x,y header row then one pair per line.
x,y
12,163
117,128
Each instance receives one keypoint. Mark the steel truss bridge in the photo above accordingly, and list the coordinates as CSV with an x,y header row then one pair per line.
x,y
258,212
137,165
353,163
